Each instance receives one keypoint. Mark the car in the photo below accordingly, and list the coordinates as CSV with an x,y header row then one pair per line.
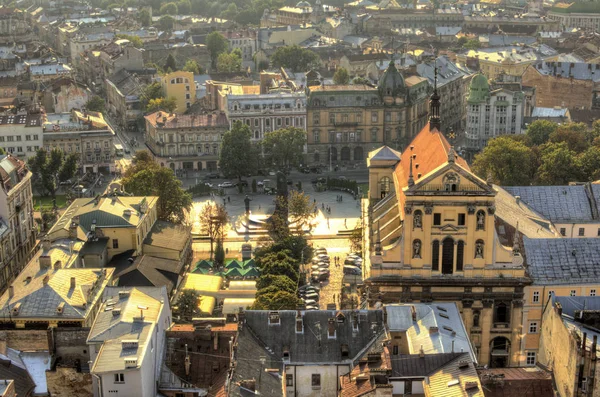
x,y
290,182
212,175
209,184
310,302
225,184
127,150
342,178
260,184
311,307
323,257
310,288
350,261
315,267
315,170
353,270
323,266
305,170
242,182
320,250
272,173
318,180
67,182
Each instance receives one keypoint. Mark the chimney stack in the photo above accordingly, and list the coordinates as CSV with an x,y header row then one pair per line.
x,y
46,279
299,323
331,328
57,265
73,283
11,291
421,352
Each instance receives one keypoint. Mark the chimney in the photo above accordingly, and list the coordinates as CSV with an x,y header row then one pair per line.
x,y
46,244
421,352
45,262
299,323
331,328
46,279
57,265
518,199
73,282
11,291
433,330
413,313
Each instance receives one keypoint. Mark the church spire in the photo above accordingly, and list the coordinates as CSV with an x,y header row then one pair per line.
x,y
434,104
411,180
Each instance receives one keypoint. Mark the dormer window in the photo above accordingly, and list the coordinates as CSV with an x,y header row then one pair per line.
x,y
274,318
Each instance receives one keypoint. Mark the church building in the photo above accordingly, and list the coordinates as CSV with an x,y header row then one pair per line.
x,y
438,232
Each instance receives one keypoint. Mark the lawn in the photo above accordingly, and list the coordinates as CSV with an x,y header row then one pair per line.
x,y
46,202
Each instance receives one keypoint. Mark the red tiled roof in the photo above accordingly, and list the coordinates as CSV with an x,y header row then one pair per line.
x,y
352,387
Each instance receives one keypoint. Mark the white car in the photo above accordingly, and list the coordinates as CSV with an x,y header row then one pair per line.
x,y
225,184
209,184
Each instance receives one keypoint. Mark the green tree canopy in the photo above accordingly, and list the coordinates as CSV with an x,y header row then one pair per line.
x,y
302,209
166,104
284,147
216,44
168,9
48,169
231,12
540,130
506,160
589,164
573,134
166,22
236,160
558,166
296,58
95,104
472,44
135,40
173,200
184,7
228,63
188,304
192,66
213,220
144,18
170,63
282,283
360,80
341,76
281,300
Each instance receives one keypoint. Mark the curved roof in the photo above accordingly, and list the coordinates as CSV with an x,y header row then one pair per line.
x,y
392,82
303,4
479,89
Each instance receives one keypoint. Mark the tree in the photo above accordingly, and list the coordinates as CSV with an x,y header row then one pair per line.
x,y
281,300
166,22
285,146
50,168
168,9
228,63
235,159
296,58
506,160
558,166
230,13
173,200
277,263
150,92
216,44
158,68
193,67
573,134
282,283
171,63
166,104
220,253
360,80
135,40
341,76
589,164
184,7
95,104
144,18
141,160
213,220
301,210
540,130
188,304
472,44
356,238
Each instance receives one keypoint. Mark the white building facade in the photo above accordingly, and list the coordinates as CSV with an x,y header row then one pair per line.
x,y
267,112
492,111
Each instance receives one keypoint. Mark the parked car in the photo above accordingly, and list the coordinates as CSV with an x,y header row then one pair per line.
x,y
243,182
315,170
225,184
313,295
314,267
353,270
323,264
209,184
310,302
312,307
309,288
320,250
67,182
212,175
305,170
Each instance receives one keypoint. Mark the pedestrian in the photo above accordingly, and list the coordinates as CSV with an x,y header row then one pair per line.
x,y
259,206
314,201
341,199
323,206
345,225
228,199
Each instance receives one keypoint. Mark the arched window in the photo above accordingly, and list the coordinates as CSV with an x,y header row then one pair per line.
x,y
460,254
384,186
435,256
480,220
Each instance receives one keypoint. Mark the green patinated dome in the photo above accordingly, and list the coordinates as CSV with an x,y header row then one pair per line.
x,y
392,82
479,90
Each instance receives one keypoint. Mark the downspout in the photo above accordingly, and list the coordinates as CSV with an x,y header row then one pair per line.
x,y
295,381
100,393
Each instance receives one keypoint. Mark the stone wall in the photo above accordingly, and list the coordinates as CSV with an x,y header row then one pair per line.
x,y
70,345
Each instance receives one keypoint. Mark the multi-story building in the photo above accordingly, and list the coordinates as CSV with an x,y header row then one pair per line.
x,y
186,142
452,81
64,95
268,112
21,134
492,110
116,224
303,13
123,91
17,229
393,16
511,60
580,15
245,41
180,85
49,71
87,134
127,341
82,42
344,122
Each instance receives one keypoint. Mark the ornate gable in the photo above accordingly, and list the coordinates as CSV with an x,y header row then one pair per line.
x,y
451,179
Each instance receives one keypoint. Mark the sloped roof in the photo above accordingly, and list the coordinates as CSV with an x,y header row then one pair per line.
x,y
151,271
557,203
16,371
168,235
451,381
385,153
562,261
415,365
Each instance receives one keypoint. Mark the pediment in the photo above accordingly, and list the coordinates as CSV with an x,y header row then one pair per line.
x,y
449,228
451,179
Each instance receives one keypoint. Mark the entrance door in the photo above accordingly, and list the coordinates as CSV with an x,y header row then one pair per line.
x,y
447,255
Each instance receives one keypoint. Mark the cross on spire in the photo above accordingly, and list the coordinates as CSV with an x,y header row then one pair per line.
x,y
434,103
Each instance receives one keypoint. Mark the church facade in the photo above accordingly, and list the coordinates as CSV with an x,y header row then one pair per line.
x,y
433,236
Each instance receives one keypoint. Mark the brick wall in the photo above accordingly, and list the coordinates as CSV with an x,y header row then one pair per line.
x,y
558,91
70,345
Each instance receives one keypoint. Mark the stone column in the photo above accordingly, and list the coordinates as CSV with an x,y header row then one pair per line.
x,y
486,322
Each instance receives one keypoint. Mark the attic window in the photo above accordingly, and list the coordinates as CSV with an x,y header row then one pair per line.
x,y
345,351
442,309
340,318
462,364
443,315
448,328
274,318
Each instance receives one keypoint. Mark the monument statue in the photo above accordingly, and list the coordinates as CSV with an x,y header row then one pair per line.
x,y
247,203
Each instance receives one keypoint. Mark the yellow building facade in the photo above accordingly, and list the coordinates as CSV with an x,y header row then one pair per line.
x,y
181,86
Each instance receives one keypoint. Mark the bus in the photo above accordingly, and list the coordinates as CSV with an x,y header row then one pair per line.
x,y
119,152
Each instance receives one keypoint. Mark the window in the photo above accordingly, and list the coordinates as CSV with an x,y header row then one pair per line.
x,y
536,297
533,327
437,219
563,231
331,118
573,292
460,254
395,350
530,358
592,292
599,232
581,232
289,380
374,117
316,137
316,381
115,243
18,138
187,96
461,219
119,378
435,256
